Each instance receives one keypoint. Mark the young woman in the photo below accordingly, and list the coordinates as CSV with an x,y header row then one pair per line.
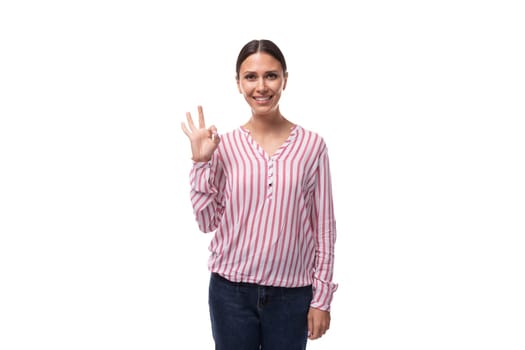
x,y
265,189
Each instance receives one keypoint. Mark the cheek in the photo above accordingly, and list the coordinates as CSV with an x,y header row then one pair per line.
x,y
278,84
245,89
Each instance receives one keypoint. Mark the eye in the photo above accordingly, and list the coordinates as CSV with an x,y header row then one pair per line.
x,y
250,77
272,76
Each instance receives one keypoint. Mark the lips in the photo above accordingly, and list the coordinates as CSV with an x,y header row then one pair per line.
x,y
262,98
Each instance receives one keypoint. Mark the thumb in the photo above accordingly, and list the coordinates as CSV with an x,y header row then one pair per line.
x,y
214,134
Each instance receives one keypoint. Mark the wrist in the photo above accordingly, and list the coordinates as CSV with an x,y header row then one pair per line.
x,y
200,160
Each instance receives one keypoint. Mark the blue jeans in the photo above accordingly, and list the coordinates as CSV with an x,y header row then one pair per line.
x,y
247,316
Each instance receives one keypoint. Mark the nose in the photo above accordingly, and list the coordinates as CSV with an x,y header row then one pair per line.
x,y
261,84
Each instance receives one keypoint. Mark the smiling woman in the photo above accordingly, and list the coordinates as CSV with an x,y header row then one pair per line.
x,y
261,78
265,190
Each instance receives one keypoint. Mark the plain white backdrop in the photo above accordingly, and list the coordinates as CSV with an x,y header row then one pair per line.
x,y
421,104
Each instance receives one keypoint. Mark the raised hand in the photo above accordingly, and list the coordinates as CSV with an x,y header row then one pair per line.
x,y
204,141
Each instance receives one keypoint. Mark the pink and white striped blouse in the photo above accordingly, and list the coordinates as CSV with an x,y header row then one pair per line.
x,y
273,216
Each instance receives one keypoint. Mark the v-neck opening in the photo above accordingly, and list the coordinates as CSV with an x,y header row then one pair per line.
x,y
278,152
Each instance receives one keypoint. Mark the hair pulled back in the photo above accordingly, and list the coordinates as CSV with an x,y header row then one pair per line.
x,y
263,45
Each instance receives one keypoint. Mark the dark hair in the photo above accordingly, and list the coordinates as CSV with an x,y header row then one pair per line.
x,y
262,45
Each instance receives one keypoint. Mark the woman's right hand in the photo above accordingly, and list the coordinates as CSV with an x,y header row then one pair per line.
x,y
204,141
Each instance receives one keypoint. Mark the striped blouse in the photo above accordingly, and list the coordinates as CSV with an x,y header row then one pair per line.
x,y
273,216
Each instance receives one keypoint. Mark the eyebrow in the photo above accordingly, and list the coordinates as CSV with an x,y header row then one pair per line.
x,y
254,72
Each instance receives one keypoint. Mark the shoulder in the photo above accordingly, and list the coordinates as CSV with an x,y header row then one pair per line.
x,y
229,136
231,139
311,138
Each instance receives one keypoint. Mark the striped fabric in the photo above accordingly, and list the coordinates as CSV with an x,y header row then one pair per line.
x,y
273,217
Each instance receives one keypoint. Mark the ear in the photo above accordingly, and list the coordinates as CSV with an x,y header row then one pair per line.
x,y
285,80
238,84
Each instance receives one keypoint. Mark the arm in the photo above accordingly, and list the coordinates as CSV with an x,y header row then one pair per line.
x,y
206,177
207,183
323,221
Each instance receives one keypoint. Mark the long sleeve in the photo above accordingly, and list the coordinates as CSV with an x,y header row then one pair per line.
x,y
207,183
323,223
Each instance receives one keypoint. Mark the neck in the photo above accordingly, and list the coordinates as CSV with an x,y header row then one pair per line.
x,y
263,123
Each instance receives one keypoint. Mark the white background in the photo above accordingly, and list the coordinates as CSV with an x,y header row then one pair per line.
x,y
421,104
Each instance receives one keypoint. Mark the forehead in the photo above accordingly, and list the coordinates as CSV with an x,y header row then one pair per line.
x,y
260,61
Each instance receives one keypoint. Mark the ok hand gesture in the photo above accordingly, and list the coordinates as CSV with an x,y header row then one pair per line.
x,y
204,141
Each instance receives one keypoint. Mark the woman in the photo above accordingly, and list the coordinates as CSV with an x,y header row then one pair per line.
x,y
265,190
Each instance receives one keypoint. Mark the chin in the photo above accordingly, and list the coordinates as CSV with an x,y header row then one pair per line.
x,y
263,109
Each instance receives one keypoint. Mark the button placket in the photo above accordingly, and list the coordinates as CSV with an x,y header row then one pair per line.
x,y
270,180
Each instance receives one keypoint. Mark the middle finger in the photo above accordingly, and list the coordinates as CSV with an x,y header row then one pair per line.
x,y
202,125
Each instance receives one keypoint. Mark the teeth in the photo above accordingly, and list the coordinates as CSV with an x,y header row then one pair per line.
x,y
262,98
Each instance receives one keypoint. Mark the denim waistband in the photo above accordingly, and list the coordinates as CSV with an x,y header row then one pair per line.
x,y
217,276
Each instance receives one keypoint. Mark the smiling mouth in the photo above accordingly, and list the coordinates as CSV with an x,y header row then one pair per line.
x,y
262,98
